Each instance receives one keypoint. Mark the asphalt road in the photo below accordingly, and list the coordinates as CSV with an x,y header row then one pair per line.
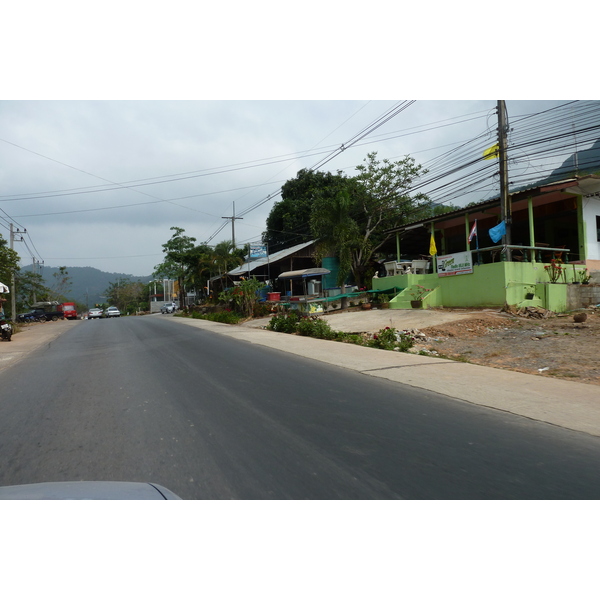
x,y
209,417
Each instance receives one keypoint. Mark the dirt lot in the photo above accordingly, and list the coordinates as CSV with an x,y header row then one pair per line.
x,y
555,346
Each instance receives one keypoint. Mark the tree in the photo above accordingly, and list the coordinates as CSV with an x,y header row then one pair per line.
x,y
61,285
243,297
288,222
30,289
177,251
9,266
126,295
353,225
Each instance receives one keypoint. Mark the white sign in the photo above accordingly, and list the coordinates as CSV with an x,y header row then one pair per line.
x,y
459,263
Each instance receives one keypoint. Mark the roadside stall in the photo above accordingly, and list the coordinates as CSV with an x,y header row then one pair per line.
x,y
310,300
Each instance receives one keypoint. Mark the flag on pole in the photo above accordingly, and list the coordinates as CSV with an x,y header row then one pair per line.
x,y
473,231
497,232
432,246
491,152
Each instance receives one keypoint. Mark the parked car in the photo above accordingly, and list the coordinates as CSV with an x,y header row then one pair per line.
x,y
168,307
112,311
95,313
39,314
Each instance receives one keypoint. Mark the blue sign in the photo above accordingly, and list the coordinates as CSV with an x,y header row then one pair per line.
x,y
258,251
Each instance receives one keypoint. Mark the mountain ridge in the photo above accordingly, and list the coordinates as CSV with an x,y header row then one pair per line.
x,y
88,284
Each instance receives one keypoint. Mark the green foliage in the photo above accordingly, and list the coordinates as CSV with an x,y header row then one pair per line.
x,y
350,220
229,317
391,339
288,221
244,297
61,285
316,328
386,339
30,288
128,296
284,323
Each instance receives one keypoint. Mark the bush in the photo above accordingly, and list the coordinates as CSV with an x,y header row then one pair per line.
x,y
229,317
317,328
284,323
391,339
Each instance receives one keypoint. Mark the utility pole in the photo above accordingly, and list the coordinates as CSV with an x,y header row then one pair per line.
x,y
505,205
233,220
13,289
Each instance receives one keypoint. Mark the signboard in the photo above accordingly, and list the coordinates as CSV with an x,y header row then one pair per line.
x,y
459,263
258,251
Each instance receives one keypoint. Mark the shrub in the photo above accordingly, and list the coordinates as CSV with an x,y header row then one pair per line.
x,y
391,339
284,323
229,317
317,328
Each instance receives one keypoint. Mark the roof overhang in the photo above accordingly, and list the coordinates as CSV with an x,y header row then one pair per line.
x,y
302,273
542,194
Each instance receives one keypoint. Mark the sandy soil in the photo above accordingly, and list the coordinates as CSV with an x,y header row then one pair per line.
x,y
555,346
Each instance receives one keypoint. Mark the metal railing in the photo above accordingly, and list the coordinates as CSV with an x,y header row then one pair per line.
x,y
523,253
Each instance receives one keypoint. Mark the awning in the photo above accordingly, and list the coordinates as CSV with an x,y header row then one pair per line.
x,y
302,273
4,289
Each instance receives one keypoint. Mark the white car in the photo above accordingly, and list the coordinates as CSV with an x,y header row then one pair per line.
x,y
95,313
112,311
168,307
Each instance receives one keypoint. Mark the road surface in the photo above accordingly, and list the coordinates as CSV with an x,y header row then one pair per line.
x,y
209,417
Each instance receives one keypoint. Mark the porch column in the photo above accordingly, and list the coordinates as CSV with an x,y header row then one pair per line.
x,y
531,227
397,246
581,233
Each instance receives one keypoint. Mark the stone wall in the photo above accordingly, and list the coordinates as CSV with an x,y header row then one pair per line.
x,y
583,296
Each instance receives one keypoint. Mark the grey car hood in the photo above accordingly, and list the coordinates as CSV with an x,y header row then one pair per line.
x,y
87,490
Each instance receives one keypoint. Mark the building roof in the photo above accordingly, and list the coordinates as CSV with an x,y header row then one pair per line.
x,y
583,185
252,265
302,273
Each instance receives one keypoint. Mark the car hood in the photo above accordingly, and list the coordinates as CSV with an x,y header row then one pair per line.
x,y
87,490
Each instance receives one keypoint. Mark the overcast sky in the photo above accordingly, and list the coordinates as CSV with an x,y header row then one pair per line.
x,y
73,160
100,183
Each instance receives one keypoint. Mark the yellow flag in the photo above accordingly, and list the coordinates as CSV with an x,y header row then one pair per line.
x,y
491,152
432,246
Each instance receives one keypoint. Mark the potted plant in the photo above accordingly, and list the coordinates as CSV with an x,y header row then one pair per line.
x,y
383,301
418,293
554,270
584,276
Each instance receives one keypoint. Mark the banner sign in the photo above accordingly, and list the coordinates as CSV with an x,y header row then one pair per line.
x,y
459,263
258,251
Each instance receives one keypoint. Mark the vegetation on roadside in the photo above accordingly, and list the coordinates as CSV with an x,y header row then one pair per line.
x,y
226,316
387,338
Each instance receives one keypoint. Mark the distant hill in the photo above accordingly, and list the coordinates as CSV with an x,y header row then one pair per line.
x,y
585,162
582,163
87,283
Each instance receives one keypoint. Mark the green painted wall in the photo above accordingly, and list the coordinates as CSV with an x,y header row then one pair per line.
x,y
491,285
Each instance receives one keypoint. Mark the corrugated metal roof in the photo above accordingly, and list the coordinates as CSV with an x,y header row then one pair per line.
x,y
304,273
564,183
261,262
